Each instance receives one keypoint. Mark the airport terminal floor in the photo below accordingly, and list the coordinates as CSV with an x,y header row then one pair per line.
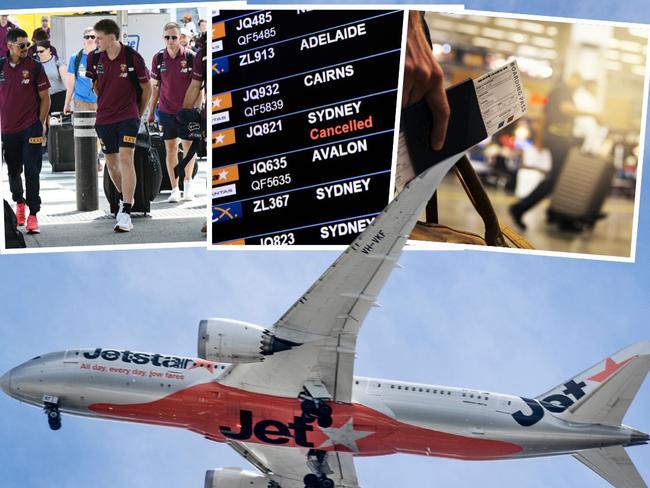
x,y
610,236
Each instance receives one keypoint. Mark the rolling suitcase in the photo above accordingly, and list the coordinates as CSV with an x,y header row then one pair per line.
x,y
581,189
149,176
60,143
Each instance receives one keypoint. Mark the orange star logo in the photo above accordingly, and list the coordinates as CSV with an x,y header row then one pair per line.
x,y
611,367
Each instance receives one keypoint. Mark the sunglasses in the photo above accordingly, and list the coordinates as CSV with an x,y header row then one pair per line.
x,y
22,45
170,37
40,51
89,37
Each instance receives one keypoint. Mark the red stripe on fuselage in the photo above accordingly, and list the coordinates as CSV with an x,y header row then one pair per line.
x,y
208,408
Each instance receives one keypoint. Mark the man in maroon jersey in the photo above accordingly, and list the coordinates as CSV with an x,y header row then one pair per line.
x,y
121,82
24,105
171,70
5,26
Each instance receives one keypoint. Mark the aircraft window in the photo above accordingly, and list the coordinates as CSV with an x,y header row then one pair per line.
x,y
356,382
464,395
442,392
448,393
427,390
471,396
392,387
435,391
509,402
378,385
420,390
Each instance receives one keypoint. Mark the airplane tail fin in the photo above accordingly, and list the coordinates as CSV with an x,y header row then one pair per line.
x,y
614,465
603,393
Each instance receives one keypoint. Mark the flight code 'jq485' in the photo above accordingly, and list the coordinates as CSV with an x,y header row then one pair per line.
x,y
254,21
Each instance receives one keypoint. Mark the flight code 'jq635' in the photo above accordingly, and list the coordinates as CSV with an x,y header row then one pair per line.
x,y
269,165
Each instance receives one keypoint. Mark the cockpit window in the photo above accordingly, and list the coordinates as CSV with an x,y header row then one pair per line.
x,y
34,359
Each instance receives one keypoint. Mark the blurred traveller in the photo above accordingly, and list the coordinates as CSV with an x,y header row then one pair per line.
x,y
56,74
43,29
185,38
41,36
559,115
203,27
121,83
5,26
79,90
423,77
188,22
171,70
24,105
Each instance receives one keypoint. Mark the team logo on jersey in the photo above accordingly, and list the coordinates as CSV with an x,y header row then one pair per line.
x,y
25,80
123,71
183,65
100,69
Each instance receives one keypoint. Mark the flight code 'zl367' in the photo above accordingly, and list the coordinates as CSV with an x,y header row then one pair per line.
x,y
286,399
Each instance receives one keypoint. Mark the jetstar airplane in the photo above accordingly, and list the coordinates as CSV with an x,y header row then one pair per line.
x,y
285,397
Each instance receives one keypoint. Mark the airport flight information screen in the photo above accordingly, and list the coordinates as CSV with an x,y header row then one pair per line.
x,y
303,117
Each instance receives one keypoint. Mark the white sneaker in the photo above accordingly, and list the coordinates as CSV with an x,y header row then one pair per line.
x,y
120,209
188,190
175,196
123,223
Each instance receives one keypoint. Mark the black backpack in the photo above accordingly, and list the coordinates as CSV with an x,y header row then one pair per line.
x,y
77,62
14,239
129,54
189,57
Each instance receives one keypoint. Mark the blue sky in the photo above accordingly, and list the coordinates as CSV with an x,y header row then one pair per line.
x,y
509,323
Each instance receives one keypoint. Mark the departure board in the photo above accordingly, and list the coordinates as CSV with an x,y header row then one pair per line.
x,y
303,119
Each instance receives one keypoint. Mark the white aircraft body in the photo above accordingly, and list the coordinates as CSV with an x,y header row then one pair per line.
x,y
286,399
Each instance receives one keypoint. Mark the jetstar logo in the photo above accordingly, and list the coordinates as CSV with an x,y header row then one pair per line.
x,y
269,431
556,403
159,360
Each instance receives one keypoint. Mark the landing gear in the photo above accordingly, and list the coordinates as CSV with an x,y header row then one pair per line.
x,y
51,409
314,481
316,409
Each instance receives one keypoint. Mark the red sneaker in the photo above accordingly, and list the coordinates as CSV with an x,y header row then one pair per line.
x,y
20,213
32,225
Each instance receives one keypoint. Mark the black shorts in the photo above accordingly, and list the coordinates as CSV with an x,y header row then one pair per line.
x,y
117,135
168,123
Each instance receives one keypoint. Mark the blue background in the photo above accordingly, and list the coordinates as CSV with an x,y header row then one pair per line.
x,y
508,323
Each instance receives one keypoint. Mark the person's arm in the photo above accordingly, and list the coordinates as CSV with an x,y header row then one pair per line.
x,y
44,108
424,79
69,80
193,94
146,95
155,95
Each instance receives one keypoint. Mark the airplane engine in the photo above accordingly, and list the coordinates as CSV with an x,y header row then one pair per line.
x,y
233,341
235,478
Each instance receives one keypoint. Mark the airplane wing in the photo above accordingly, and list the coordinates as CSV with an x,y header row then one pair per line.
x,y
288,466
327,318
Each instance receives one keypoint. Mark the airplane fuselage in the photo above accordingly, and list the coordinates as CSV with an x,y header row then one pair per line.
x,y
384,417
